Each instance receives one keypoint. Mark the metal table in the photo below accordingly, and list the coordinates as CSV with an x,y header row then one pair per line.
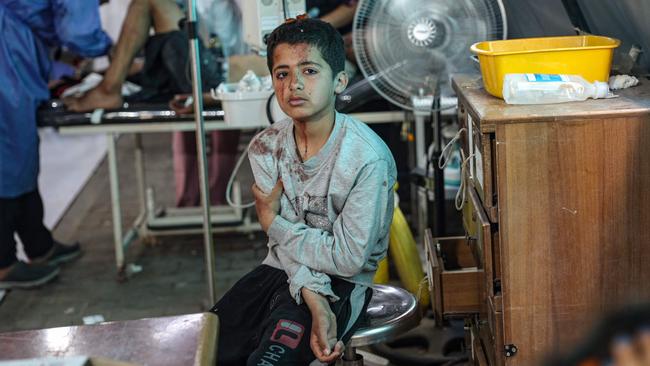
x,y
174,341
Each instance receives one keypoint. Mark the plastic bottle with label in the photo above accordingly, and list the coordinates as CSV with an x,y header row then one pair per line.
x,y
550,88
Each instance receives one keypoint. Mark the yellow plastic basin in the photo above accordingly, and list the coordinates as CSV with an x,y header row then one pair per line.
x,y
588,56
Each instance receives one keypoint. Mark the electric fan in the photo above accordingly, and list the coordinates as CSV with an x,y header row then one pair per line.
x,y
406,49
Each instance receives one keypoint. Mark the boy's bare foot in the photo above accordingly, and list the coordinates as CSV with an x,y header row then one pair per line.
x,y
97,97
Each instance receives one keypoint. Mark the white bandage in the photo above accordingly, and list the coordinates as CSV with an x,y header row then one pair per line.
x,y
96,116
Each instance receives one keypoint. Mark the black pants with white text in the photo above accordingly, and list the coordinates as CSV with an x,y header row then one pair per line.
x,y
261,324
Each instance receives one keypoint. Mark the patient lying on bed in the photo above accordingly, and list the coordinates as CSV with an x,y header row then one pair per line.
x,y
165,74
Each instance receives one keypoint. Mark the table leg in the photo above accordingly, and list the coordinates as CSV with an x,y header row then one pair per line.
x,y
140,178
115,201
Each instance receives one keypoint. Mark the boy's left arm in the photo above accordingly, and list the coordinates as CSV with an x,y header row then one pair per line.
x,y
364,219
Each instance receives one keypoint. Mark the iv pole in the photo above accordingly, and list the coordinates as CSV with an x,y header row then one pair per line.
x,y
197,93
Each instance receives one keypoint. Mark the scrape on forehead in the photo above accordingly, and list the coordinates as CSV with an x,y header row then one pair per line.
x,y
299,52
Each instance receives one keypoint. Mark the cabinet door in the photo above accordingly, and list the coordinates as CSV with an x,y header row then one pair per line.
x,y
481,232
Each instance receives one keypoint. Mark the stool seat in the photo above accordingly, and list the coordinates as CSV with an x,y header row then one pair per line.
x,y
391,312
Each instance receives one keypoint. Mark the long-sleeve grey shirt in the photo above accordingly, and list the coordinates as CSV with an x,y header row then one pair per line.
x,y
336,208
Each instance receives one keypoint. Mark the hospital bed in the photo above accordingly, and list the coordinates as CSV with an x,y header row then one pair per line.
x,y
138,119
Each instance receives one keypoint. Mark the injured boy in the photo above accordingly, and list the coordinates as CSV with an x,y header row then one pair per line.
x,y
324,195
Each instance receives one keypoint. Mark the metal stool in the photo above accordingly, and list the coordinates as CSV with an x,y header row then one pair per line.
x,y
391,312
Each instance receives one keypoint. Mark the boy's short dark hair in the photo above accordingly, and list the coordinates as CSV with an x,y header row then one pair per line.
x,y
313,32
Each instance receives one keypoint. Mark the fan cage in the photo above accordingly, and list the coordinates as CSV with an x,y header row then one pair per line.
x,y
399,68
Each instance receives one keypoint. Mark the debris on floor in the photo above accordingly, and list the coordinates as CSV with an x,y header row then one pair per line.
x,y
132,269
93,319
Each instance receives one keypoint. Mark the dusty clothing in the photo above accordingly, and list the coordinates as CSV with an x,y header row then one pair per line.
x,y
336,208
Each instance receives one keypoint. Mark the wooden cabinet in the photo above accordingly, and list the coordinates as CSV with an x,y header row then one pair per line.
x,y
559,210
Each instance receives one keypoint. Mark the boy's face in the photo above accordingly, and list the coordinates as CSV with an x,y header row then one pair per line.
x,y
303,82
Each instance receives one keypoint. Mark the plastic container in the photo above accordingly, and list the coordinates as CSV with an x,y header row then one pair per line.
x,y
547,89
247,109
587,56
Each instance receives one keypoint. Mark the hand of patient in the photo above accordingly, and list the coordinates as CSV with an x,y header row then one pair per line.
x,y
267,205
323,340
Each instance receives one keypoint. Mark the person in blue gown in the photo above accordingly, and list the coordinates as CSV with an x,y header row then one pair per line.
x,y
30,30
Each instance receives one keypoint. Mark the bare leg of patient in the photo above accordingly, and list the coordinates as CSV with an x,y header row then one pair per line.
x,y
142,14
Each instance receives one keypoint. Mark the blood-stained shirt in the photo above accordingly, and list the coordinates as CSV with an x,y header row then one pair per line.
x,y
336,208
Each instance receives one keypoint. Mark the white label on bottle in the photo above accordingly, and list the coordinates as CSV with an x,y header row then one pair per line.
x,y
546,86
546,77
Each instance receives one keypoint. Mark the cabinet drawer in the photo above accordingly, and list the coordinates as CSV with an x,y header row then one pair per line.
x,y
483,239
453,276
495,323
483,166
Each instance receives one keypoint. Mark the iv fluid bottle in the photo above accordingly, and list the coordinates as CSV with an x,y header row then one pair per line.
x,y
550,88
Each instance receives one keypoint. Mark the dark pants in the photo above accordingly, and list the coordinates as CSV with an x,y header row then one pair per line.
x,y
167,68
261,324
23,215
